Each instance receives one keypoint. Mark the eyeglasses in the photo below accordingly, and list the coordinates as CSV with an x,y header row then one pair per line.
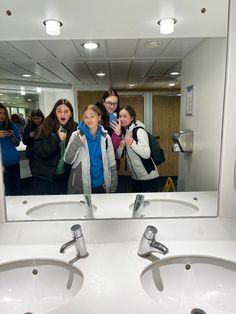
x,y
111,103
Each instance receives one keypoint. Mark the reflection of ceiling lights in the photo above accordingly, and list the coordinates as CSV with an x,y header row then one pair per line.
x,y
53,27
100,74
26,75
167,25
22,91
152,44
174,73
90,45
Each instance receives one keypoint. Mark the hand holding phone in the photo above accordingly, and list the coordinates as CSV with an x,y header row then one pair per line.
x,y
112,118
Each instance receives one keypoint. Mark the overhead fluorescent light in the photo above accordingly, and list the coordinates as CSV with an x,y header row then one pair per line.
x,y
26,75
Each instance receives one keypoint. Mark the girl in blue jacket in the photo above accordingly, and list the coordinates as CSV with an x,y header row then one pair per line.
x,y
9,140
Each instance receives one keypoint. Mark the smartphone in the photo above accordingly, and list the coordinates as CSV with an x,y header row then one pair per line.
x,y
112,117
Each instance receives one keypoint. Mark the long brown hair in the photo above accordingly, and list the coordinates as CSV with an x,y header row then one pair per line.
x,y
51,125
7,123
108,93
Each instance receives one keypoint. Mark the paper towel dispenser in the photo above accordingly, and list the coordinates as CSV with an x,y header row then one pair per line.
x,y
183,141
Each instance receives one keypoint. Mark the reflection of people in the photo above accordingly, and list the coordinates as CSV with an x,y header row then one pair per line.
x,y
142,179
16,119
91,154
49,171
9,140
110,104
36,118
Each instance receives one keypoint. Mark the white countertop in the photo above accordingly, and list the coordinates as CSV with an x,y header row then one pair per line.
x,y
111,205
112,270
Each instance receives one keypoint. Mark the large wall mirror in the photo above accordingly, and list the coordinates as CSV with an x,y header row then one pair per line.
x,y
137,61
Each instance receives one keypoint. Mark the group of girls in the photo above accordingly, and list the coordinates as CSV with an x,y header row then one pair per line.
x,y
67,157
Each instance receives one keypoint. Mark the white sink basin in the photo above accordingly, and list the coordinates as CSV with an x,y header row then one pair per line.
x,y
167,208
37,285
60,210
192,285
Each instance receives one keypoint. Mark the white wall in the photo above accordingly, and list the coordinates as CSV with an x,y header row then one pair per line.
x,y
48,99
227,188
204,68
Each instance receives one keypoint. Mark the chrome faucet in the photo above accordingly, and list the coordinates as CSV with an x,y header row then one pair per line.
x,y
138,206
87,201
149,244
78,241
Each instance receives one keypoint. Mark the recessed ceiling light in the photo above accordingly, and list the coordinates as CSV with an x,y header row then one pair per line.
x,y
29,99
178,94
53,27
152,44
172,84
167,25
26,75
131,85
174,73
101,74
90,45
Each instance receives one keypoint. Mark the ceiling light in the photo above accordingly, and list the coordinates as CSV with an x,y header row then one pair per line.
x,y
22,91
1,94
174,73
172,84
39,90
26,75
90,45
100,74
152,44
29,99
167,25
53,27
131,85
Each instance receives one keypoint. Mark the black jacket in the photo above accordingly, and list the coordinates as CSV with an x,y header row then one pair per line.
x,y
47,153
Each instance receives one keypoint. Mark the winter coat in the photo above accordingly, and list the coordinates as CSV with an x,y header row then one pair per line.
x,y
77,155
137,149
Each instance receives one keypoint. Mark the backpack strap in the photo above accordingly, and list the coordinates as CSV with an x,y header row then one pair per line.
x,y
147,163
134,132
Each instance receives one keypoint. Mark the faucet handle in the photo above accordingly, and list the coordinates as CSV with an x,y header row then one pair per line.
x,y
76,231
150,232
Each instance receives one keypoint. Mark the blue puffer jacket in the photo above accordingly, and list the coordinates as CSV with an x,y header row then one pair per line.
x,y
10,155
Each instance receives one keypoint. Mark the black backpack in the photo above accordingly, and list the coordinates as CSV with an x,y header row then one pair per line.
x,y
157,153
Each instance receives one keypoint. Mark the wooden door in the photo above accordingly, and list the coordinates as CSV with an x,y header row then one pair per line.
x,y
166,120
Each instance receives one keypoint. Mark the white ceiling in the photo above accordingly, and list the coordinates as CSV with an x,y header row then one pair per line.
x,y
120,27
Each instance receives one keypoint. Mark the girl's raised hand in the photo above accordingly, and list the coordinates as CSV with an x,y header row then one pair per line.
x,y
116,126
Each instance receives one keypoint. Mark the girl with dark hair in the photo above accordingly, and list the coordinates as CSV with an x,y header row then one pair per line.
x,y
9,140
36,118
91,154
110,107
144,177
49,171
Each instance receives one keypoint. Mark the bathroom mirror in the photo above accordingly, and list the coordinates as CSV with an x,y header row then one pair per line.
x,y
195,48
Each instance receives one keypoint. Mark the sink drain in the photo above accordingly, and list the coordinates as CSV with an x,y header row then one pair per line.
x,y
198,311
